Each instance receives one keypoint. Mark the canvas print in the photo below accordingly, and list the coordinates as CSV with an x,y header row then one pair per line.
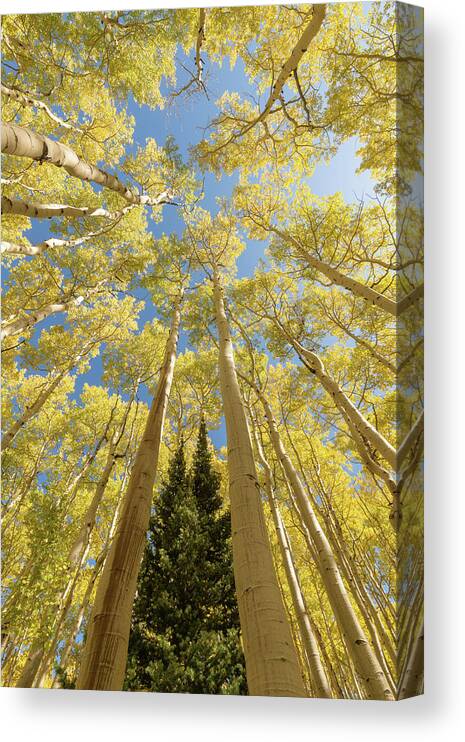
x,y
212,345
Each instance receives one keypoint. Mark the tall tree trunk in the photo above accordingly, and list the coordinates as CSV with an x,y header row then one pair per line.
x,y
21,142
22,322
26,100
271,659
318,676
29,671
371,296
348,564
64,654
342,401
413,675
48,211
30,411
88,522
371,674
63,607
105,654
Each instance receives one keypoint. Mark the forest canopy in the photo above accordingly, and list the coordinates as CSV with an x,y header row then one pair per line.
x,y
212,228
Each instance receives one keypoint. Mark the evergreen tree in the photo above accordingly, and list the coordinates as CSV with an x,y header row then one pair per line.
x,y
185,624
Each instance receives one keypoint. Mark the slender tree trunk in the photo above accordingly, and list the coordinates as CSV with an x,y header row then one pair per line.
x,y
337,691
341,400
199,42
371,674
88,522
413,675
30,411
271,659
291,64
29,671
26,100
66,600
318,676
13,507
348,565
12,248
22,322
21,142
64,655
373,297
105,654
48,211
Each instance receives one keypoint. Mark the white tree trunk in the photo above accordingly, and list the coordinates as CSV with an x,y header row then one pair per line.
x,y
48,211
12,248
22,322
317,673
370,672
105,654
24,99
32,410
271,659
392,307
21,142
365,428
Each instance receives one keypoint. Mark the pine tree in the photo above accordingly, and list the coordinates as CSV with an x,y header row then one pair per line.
x,y
185,625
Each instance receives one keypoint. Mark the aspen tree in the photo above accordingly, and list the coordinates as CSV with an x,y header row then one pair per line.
x,y
22,142
271,659
317,672
370,673
104,660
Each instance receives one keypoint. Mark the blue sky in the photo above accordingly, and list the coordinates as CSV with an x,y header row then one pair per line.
x,y
185,120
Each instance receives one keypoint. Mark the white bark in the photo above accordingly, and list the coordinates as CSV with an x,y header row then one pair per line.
x,y
317,673
271,659
53,242
88,522
370,672
24,99
22,142
413,676
105,654
409,441
31,410
49,211
390,306
29,671
365,428
22,322
292,63
199,42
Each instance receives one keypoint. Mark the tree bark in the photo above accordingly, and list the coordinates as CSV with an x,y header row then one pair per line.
x,y
29,671
22,322
32,410
365,428
370,672
12,248
413,676
392,307
64,655
198,44
88,522
293,61
24,99
272,664
105,654
48,211
22,142
317,674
